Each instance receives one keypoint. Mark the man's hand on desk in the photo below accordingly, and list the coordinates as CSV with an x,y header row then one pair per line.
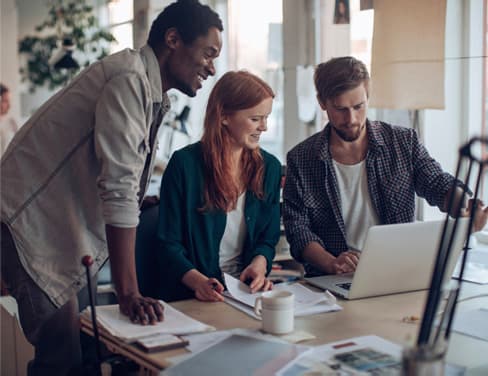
x,y
481,214
141,309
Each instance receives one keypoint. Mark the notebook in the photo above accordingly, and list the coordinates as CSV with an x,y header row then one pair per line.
x,y
395,258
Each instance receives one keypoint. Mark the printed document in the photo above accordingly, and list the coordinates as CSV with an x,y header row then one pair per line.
x,y
307,302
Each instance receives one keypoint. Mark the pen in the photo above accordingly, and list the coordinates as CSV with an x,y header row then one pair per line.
x,y
214,285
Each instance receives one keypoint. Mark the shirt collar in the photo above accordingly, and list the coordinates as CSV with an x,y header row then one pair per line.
x,y
153,72
376,137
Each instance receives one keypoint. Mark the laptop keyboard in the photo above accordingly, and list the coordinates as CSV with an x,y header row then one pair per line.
x,y
345,286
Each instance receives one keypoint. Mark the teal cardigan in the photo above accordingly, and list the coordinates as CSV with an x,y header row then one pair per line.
x,y
191,238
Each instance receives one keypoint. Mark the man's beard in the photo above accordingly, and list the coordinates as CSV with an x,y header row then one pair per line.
x,y
348,136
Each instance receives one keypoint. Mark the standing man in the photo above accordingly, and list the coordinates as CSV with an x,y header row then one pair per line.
x,y
73,180
354,174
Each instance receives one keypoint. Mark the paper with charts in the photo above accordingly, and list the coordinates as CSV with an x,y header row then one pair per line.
x,y
307,302
368,355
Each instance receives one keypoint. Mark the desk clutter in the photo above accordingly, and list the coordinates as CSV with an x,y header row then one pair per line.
x,y
307,302
244,353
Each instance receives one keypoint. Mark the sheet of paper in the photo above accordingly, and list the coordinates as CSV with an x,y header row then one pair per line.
x,y
305,299
472,323
304,311
239,290
119,325
476,269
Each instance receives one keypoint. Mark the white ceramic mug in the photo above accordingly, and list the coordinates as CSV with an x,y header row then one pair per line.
x,y
276,309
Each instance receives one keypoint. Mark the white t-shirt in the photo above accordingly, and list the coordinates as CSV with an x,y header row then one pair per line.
x,y
233,240
357,209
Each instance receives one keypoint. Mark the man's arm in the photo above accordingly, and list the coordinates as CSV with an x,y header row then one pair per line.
x,y
305,244
318,256
121,244
481,214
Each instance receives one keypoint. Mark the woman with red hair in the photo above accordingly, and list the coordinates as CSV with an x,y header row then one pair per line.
x,y
219,210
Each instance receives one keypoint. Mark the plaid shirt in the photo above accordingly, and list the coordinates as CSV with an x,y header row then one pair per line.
x,y
397,165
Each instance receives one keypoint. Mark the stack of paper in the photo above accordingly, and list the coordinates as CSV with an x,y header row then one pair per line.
x,y
307,302
175,322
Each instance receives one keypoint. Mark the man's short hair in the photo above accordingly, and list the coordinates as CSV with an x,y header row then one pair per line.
x,y
339,75
189,17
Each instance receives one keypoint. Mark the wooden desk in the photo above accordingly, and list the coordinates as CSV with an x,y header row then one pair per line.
x,y
381,316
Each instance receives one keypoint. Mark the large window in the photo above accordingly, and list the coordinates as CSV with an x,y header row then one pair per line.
x,y
361,32
120,20
255,44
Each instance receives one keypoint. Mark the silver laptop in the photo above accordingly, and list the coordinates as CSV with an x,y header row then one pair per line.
x,y
395,258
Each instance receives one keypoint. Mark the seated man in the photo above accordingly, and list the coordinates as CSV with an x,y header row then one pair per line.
x,y
355,174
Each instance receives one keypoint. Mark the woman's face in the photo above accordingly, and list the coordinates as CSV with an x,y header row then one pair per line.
x,y
245,126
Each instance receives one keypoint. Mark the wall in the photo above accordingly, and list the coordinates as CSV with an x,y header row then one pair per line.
x,y
446,130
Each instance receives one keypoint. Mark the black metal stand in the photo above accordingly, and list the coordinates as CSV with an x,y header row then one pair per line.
x,y
429,338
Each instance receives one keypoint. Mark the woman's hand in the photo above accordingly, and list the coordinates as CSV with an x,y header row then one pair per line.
x,y
210,291
206,289
255,272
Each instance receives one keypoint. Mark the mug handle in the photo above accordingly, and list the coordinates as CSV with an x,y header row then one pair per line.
x,y
258,306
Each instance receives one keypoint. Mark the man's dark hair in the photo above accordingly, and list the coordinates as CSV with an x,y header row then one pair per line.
x,y
189,17
339,75
3,89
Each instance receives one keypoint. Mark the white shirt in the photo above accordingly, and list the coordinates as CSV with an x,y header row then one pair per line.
x,y
233,239
357,209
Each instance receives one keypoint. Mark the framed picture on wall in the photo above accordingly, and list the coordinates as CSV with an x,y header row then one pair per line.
x,y
341,12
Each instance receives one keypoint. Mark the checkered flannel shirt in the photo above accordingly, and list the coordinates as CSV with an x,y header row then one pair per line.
x,y
397,165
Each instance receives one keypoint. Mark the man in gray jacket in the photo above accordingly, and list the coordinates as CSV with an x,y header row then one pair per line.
x,y
73,179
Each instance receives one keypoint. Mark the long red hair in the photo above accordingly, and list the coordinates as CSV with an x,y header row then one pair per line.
x,y
233,92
